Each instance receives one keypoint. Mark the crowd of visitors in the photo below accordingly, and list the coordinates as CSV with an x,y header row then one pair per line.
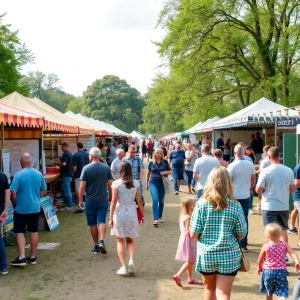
x,y
213,230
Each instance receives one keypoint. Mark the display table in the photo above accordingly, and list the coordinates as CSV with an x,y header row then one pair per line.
x,y
49,178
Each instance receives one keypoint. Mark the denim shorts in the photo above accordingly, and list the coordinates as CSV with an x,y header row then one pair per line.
x,y
177,173
279,217
96,213
274,282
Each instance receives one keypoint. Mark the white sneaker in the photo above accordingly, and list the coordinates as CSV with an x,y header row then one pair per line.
x,y
131,267
251,212
66,208
123,271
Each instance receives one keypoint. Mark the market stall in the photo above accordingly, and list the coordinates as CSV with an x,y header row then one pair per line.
x,y
257,117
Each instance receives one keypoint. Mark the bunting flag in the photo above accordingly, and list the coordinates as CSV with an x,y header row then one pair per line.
x,y
286,112
258,116
271,116
253,116
279,113
265,117
297,108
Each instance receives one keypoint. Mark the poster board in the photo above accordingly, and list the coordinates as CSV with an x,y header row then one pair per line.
x,y
17,148
50,213
9,222
6,163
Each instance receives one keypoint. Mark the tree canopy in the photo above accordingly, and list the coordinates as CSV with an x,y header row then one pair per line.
x,y
225,54
13,55
114,101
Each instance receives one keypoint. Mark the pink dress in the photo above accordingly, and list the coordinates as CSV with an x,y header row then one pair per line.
x,y
125,217
187,246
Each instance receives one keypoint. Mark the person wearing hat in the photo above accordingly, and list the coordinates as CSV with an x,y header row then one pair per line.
x,y
96,179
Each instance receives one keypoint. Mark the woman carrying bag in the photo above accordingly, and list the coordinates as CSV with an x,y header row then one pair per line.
x,y
217,224
157,169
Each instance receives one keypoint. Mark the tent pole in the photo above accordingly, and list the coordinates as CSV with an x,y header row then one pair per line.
x,y
275,132
2,137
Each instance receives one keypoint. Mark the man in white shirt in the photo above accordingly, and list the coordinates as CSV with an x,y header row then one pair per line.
x,y
115,166
203,167
274,185
156,144
243,177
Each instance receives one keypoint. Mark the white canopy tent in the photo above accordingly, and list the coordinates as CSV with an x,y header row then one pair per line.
x,y
259,112
136,134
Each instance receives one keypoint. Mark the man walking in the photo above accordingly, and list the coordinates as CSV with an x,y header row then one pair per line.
x,y
27,188
137,167
220,142
95,179
177,158
66,174
115,166
79,160
274,185
203,167
243,177
4,202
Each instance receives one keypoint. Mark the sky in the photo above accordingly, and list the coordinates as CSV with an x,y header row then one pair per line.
x,y
82,41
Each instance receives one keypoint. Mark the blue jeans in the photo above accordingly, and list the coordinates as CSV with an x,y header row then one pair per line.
x,y
141,189
191,180
157,191
199,193
3,264
66,187
245,206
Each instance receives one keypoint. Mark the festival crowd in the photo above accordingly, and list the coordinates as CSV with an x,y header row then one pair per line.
x,y
213,219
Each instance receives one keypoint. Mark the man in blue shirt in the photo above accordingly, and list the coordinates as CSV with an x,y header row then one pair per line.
x,y
27,187
79,160
177,158
220,142
66,174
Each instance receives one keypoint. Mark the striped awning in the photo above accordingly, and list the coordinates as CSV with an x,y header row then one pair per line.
x,y
15,117
53,126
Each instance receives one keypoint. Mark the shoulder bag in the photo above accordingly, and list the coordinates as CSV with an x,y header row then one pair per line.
x,y
245,264
166,182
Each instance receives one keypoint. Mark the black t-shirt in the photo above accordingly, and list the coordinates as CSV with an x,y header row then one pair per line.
x,y
80,159
220,143
3,186
257,145
67,170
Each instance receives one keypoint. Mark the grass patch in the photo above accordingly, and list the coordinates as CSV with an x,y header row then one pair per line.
x,y
36,287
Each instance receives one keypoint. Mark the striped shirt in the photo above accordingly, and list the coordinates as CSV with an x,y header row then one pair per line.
x,y
217,246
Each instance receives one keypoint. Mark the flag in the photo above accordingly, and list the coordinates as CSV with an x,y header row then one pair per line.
x,y
286,112
265,117
279,113
271,116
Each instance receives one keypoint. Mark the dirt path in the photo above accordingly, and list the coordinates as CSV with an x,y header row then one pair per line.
x,y
73,272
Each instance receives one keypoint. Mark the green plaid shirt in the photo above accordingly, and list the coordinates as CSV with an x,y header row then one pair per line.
x,y
217,246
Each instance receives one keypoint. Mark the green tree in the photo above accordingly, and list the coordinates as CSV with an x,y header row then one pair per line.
x,y
76,105
113,100
13,55
232,50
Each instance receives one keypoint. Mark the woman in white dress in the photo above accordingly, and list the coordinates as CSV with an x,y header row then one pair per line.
x,y
123,219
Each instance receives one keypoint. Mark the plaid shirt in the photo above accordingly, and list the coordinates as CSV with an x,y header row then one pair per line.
x,y
136,164
217,246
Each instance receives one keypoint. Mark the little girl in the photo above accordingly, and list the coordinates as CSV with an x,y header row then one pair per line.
x,y
272,264
186,250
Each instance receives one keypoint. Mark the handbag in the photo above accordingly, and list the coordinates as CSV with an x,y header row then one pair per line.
x,y
167,184
139,215
245,264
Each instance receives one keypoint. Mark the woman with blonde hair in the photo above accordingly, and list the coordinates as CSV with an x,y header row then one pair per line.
x,y
217,224
157,168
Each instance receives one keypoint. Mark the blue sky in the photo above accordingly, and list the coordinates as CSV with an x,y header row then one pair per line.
x,y
81,41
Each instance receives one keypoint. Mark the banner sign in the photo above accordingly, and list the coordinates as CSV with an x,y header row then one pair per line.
x,y
284,122
50,213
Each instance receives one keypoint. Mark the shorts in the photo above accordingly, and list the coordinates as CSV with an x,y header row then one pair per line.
x,y
26,222
274,282
279,217
96,213
77,184
177,174
227,274
297,205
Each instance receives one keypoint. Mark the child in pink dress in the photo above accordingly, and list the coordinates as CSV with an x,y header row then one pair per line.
x,y
186,250
272,263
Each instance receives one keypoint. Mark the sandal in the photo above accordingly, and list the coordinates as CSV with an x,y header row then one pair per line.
x,y
195,281
193,190
177,280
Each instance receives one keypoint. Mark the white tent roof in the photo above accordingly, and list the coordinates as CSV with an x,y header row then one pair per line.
x,y
137,134
251,112
192,129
